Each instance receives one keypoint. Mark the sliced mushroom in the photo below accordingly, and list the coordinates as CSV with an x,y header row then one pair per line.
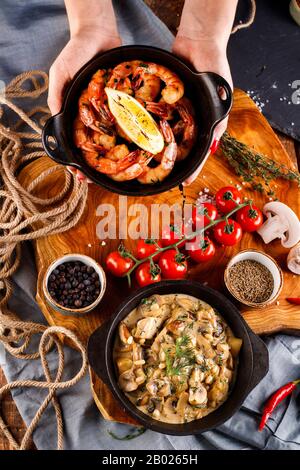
x,y
205,346
147,327
282,222
124,334
176,327
182,404
197,395
124,363
150,306
170,413
190,305
127,381
218,391
293,259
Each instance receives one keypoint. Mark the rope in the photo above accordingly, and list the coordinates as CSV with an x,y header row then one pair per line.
x,y
249,21
25,216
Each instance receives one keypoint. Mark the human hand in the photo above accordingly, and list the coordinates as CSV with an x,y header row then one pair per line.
x,y
205,56
80,49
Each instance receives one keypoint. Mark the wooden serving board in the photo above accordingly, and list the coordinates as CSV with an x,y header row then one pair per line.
x,y
247,124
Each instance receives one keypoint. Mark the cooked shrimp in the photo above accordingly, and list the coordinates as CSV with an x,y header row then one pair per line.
x,y
189,132
97,96
136,169
160,172
121,72
146,86
174,88
82,138
105,137
86,114
111,167
163,110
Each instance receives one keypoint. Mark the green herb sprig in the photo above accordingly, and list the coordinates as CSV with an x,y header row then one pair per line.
x,y
254,168
180,357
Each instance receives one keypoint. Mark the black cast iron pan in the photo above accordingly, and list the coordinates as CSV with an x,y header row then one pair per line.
x,y
253,359
204,89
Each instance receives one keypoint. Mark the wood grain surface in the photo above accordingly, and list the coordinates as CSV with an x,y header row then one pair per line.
x,y
103,399
247,124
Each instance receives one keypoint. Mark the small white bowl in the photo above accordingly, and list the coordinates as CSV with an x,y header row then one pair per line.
x,y
266,261
88,262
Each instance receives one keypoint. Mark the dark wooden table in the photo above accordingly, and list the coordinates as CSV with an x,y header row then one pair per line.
x,y
169,11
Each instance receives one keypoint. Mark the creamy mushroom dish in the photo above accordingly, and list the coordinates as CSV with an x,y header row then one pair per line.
x,y
175,357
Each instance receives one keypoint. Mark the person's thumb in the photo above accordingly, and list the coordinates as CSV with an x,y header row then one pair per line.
x,y
57,83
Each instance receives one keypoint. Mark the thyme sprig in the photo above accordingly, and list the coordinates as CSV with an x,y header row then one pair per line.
x,y
254,168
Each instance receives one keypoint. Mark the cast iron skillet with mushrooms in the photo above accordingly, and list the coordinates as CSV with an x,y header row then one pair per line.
x,y
176,358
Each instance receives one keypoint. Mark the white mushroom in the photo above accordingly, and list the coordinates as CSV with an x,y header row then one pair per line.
x,y
282,222
147,327
198,395
127,381
293,259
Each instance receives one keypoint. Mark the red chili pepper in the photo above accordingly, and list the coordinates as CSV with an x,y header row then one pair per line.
x,y
294,300
274,401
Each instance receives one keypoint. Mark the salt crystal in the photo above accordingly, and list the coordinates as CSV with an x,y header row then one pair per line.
x,y
289,102
89,245
206,190
103,243
277,303
292,123
270,199
281,99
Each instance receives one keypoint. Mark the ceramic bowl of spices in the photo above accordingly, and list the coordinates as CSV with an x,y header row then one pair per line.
x,y
74,284
253,278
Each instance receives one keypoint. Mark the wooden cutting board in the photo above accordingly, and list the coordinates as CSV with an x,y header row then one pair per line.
x,y
247,124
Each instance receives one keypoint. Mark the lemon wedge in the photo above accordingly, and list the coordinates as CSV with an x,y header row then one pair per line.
x,y
135,121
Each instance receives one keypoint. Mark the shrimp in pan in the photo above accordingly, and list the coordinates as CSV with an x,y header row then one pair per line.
x,y
168,157
174,88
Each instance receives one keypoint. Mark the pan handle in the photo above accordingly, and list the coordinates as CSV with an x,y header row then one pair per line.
x,y
51,140
221,94
96,352
260,359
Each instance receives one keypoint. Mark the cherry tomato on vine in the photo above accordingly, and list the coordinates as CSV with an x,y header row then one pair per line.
x,y
118,264
201,250
228,232
146,247
146,274
227,199
172,234
250,218
173,264
203,214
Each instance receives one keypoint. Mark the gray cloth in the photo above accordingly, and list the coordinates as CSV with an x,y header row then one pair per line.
x,y
32,33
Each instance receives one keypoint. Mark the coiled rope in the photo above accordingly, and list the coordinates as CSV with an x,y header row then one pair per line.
x,y
24,216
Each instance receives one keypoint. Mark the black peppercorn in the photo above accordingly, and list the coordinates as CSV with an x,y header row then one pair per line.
x,y
74,285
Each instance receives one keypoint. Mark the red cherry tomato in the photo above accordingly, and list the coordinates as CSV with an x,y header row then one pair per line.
x,y
227,199
228,233
249,218
203,214
173,265
172,234
118,264
147,247
201,251
145,274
